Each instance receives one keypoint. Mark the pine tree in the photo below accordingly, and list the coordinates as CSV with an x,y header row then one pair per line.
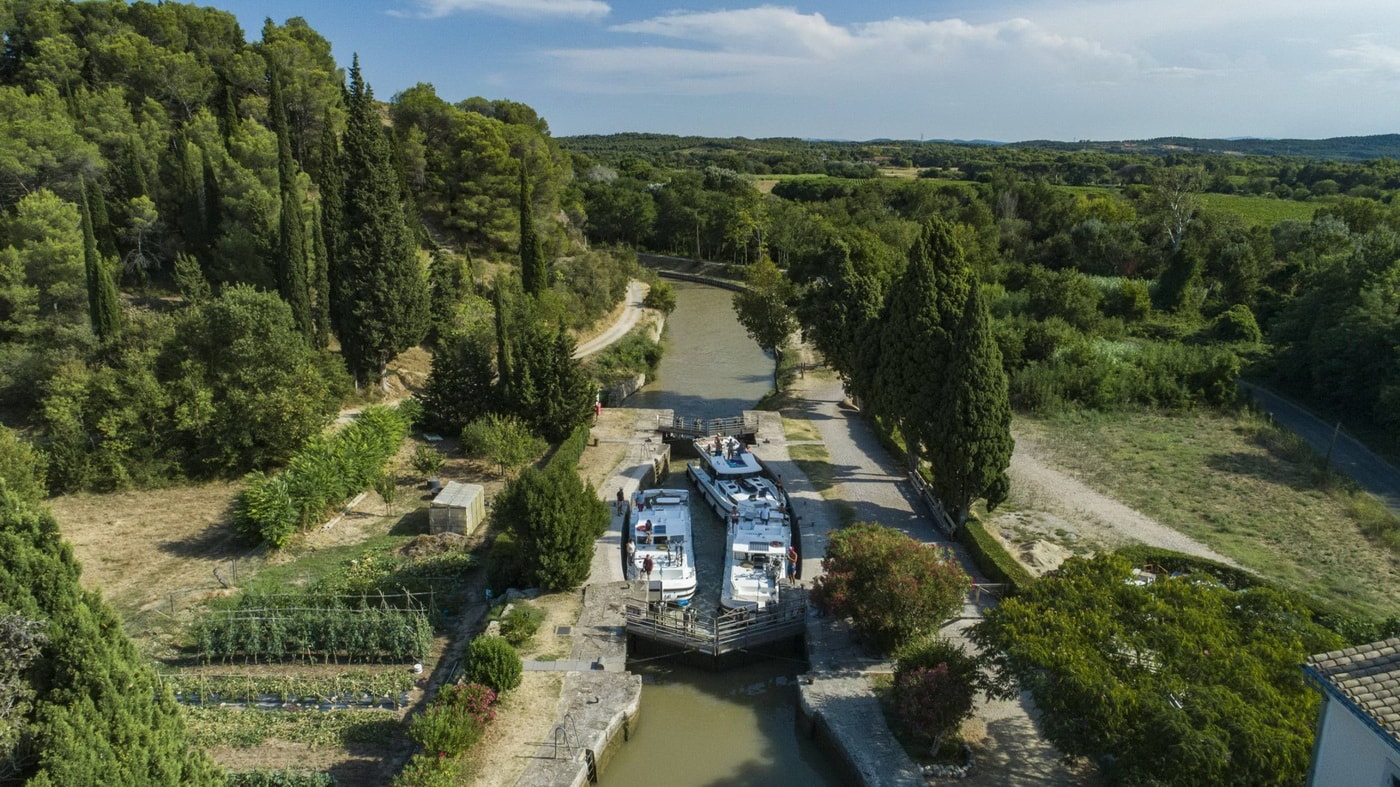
x,y
973,449
383,306
291,248
534,274
103,308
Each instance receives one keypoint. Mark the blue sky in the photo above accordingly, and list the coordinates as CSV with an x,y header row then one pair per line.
x,y
939,69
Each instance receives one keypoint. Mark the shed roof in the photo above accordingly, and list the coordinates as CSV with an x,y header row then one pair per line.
x,y
1368,677
458,495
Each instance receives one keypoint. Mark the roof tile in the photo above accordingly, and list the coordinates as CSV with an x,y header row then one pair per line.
x,y
1368,675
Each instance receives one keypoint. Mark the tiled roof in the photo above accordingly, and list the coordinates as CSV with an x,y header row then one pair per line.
x,y
1369,676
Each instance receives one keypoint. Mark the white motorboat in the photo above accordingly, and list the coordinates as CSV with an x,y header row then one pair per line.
x,y
727,473
659,536
756,557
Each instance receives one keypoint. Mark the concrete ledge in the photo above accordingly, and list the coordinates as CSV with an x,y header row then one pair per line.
x,y
840,709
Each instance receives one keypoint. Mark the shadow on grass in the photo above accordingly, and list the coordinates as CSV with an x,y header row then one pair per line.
x,y
1271,469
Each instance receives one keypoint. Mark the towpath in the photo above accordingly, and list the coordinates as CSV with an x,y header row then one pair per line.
x,y
632,313
875,487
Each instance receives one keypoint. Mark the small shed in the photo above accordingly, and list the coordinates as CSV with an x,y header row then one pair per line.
x,y
458,508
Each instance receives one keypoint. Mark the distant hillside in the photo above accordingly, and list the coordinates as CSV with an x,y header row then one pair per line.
x,y
1335,148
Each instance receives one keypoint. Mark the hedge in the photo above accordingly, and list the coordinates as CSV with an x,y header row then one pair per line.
x,y
992,559
329,470
569,451
282,778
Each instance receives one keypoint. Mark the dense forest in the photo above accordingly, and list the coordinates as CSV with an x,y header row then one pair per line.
x,y
208,246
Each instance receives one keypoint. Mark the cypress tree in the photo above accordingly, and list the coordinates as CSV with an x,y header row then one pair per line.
x,y
973,449
101,224
534,276
384,298
100,715
213,204
320,281
291,248
504,362
103,308
916,334
331,188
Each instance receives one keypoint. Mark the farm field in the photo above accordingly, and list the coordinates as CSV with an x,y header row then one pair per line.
x,y
1264,211
1237,485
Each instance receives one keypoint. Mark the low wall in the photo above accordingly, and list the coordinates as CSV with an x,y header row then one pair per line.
x,y
614,395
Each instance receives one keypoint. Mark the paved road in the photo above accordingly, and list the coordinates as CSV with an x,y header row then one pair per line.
x,y
1348,456
633,312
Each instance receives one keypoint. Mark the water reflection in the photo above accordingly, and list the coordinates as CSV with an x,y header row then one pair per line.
x,y
737,727
711,368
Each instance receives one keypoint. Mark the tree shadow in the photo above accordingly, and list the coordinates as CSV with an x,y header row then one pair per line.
x,y
1264,468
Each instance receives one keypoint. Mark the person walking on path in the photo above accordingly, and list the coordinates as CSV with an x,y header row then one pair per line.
x,y
621,501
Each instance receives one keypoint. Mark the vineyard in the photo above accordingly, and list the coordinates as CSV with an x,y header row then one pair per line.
x,y
284,692
273,634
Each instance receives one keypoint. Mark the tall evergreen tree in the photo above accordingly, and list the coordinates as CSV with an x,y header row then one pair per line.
x,y
974,445
292,273
450,281
99,713
331,192
917,329
534,273
384,298
320,281
101,224
103,308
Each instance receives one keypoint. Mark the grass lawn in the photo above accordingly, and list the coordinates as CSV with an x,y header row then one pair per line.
x,y
1240,487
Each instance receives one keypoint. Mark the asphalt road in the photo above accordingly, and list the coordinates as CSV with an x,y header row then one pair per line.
x,y
1347,456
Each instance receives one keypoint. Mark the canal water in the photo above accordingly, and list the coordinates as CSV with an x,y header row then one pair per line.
x,y
739,726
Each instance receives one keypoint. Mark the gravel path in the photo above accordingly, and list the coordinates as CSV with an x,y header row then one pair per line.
x,y
631,314
1093,517
1013,752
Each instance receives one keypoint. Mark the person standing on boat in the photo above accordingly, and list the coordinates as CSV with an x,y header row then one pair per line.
x,y
647,565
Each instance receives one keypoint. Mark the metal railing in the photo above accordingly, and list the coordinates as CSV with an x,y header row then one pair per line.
x,y
715,635
680,426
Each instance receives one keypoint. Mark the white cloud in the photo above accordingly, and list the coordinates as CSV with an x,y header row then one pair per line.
x,y
1368,57
780,49
435,9
1062,69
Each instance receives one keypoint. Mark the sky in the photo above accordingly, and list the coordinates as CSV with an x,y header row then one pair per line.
x,y
899,69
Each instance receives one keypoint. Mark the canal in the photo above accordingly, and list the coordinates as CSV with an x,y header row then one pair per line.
x,y
737,727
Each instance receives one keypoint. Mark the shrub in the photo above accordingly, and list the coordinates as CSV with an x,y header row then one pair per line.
x,y
428,770
505,565
445,730
935,686
328,470
521,624
893,587
661,296
1237,324
473,699
426,460
493,662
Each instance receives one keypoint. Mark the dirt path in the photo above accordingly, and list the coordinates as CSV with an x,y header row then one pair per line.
x,y
1050,503
631,313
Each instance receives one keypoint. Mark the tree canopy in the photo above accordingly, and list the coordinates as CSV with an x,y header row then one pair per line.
x,y
1181,681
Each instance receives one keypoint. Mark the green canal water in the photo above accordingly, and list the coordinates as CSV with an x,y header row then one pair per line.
x,y
739,726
